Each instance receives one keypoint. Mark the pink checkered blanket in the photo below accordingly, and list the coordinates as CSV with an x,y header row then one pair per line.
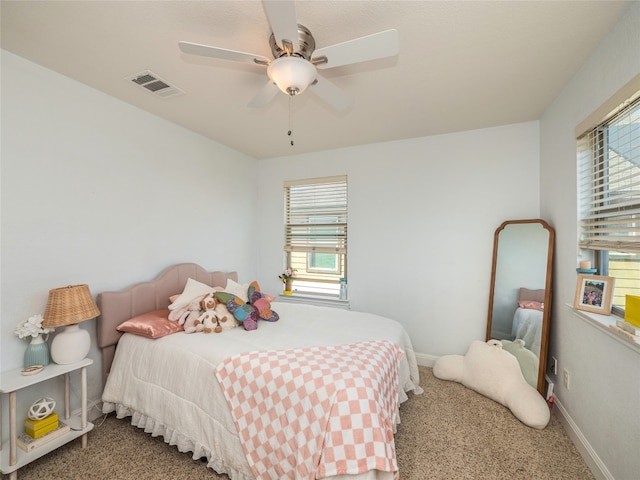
x,y
314,412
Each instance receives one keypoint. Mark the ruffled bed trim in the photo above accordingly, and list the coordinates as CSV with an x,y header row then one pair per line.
x,y
186,444
173,437
408,386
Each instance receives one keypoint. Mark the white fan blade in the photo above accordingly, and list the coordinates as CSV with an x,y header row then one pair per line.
x,y
222,53
331,94
282,17
265,95
378,45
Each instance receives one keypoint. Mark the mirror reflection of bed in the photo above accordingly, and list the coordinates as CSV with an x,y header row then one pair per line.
x,y
527,319
520,299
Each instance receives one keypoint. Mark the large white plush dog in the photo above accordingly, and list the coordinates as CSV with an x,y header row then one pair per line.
x,y
495,373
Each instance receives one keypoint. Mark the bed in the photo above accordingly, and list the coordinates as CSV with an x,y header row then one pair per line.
x,y
527,326
527,319
174,386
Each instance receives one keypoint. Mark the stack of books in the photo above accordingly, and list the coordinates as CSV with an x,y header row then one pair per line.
x,y
39,432
39,428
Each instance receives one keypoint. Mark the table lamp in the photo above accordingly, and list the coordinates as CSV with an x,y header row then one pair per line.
x,y
68,306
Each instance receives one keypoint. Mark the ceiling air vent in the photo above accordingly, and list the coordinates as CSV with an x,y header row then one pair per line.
x,y
154,84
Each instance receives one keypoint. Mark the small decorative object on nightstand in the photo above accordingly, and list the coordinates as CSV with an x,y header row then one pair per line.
x,y
68,306
37,352
42,408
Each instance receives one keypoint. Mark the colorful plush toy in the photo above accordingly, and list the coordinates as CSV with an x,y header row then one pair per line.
x,y
257,307
214,317
261,302
495,373
187,316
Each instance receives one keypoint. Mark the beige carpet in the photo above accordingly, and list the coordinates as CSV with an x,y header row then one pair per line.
x,y
449,432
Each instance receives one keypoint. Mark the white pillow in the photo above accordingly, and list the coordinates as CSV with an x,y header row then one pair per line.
x,y
192,290
238,290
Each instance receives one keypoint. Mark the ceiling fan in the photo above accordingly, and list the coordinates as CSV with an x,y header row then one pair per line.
x,y
296,61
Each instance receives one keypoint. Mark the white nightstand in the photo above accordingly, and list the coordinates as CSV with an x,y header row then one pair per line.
x,y
12,381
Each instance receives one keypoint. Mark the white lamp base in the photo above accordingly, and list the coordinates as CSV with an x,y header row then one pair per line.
x,y
71,345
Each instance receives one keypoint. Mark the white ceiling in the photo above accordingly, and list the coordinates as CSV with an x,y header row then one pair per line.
x,y
462,64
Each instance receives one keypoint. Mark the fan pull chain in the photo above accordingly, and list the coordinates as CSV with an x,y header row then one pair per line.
x,y
290,133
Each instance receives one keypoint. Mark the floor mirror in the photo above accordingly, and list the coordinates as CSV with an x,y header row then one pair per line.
x,y
520,294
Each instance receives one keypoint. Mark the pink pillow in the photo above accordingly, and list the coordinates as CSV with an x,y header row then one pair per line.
x,y
154,324
531,305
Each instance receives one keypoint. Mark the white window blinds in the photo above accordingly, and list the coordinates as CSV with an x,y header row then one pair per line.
x,y
316,215
609,182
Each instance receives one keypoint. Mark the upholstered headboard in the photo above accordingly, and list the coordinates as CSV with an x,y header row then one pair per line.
x,y
526,294
117,307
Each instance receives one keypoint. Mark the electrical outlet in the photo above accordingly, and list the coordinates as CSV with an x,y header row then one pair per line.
x,y
565,378
554,365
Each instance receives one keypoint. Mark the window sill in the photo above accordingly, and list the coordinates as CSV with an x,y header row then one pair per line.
x,y
318,300
603,323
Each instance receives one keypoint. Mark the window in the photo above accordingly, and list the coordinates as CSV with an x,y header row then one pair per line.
x,y
316,233
609,195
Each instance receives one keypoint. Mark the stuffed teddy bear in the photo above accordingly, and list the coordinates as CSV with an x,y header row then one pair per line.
x,y
495,373
214,318
227,321
187,316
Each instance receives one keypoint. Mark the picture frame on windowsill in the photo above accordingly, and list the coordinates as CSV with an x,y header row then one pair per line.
x,y
594,293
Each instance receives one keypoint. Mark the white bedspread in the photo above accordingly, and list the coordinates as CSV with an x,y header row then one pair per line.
x,y
168,386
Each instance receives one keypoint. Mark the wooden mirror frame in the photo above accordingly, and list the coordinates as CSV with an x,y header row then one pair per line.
x,y
546,318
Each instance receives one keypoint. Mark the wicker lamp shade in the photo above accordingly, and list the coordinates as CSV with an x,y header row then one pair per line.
x,y
69,305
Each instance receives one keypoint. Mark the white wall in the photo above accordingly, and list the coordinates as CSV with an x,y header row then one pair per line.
x,y
96,191
604,394
439,200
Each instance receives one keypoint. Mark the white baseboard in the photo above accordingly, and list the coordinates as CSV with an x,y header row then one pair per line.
x,y
426,360
597,467
588,454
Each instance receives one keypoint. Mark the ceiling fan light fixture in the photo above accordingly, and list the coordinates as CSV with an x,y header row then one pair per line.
x,y
291,74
